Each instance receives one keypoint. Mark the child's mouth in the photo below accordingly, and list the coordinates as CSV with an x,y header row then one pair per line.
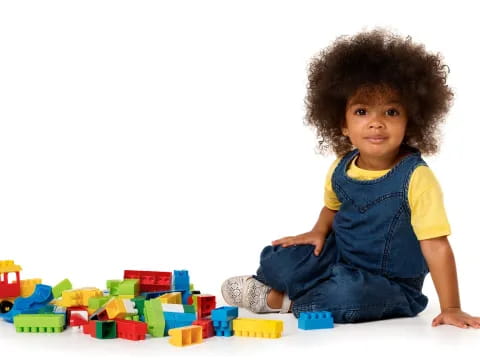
x,y
376,139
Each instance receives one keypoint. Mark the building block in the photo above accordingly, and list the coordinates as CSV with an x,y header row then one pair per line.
x,y
106,329
139,302
171,298
258,328
27,287
187,335
224,313
128,287
181,280
315,320
101,329
112,286
222,320
77,316
154,317
178,308
150,280
131,330
77,319
62,286
118,308
78,297
223,328
205,305
7,266
90,328
177,319
39,323
96,302
207,327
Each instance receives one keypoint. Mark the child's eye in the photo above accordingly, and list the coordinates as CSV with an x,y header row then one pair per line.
x,y
360,112
392,112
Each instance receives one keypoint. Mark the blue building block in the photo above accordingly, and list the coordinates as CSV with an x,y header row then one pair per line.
x,y
181,280
315,320
154,294
175,320
224,313
223,328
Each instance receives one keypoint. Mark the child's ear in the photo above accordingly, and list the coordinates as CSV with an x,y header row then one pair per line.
x,y
344,131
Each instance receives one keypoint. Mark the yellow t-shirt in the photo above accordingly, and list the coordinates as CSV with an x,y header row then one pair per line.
x,y
425,197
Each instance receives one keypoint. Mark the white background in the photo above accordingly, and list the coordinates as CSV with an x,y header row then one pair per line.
x,y
169,135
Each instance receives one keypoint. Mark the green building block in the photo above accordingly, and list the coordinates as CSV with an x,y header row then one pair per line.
x,y
139,304
96,303
106,329
63,285
39,323
129,287
189,309
112,286
154,317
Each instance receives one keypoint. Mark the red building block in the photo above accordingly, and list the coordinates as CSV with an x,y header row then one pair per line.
x,y
131,330
90,328
207,327
205,305
77,315
150,281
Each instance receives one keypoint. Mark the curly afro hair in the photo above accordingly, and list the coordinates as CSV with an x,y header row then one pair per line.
x,y
377,59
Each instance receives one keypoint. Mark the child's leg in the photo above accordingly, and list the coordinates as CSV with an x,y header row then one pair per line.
x,y
294,270
354,295
291,270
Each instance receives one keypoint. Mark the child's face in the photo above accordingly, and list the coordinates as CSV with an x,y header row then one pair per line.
x,y
375,122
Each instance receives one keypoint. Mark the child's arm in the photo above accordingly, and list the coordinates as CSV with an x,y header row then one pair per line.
x,y
441,262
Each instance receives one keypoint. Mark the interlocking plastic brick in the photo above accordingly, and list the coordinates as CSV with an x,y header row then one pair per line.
x,y
315,320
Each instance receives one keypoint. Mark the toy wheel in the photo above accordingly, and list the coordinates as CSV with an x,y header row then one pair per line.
x,y
5,306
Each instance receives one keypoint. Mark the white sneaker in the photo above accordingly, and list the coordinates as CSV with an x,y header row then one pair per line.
x,y
247,292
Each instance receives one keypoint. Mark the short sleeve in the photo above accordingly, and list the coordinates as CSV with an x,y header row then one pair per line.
x,y
425,197
330,198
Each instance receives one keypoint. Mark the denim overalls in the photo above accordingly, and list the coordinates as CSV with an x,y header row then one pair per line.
x,y
371,266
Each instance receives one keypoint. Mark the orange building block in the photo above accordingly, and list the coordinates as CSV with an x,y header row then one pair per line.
x,y
186,335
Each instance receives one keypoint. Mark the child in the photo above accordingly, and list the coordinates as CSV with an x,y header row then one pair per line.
x,y
376,100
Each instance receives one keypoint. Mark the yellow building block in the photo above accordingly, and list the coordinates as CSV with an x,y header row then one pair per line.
x,y
78,297
171,298
7,266
258,328
186,335
119,308
27,287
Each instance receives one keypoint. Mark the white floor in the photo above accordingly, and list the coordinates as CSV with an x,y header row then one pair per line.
x,y
389,339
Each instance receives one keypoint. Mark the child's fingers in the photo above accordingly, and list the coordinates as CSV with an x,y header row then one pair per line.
x,y
317,250
281,241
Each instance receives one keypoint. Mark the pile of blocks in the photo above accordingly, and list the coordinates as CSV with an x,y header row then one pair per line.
x,y
143,302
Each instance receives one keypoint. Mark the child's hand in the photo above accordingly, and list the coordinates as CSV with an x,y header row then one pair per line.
x,y
309,238
456,317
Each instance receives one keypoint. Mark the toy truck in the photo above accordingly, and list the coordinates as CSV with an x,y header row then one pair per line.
x,y
11,287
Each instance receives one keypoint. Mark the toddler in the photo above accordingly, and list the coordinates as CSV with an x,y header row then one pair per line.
x,y
376,100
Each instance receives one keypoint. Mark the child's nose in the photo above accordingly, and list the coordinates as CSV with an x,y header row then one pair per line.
x,y
376,124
